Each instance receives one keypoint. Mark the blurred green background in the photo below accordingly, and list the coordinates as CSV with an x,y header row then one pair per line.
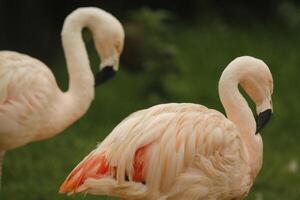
x,y
175,51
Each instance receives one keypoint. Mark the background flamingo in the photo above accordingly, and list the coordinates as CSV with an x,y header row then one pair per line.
x,y
32,107
184,151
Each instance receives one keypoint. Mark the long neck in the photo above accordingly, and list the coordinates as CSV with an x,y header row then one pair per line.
x,y
238,111
81,79
75,102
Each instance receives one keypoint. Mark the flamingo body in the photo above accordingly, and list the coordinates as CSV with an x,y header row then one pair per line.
x,y
169,151
184,151
32,106
29,97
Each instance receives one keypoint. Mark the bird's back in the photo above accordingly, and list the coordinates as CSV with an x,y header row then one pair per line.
x,y
27,86
164,152
20,74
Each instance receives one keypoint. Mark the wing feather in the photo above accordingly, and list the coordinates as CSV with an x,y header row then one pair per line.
x,y
186,148
26,87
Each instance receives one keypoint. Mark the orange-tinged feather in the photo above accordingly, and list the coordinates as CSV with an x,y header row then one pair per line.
x,y
139,164
96,166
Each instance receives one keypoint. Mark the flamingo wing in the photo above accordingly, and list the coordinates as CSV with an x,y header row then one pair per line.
x,y
26,89
21,74
152,149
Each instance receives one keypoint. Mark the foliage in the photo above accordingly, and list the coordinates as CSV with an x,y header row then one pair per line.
x,y
149,51
289,13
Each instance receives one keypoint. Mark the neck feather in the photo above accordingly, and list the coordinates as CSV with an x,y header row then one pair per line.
x,y
75,102
81,79
239,112
236,107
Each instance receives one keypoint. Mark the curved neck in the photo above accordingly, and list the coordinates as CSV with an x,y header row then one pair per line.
x,y
81,80
236,107
239,112
74,103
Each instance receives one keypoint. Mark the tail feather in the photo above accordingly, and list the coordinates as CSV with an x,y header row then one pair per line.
x,y
95,166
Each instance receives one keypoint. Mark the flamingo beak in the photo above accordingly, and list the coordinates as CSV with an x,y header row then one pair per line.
x,y
262,119
107,73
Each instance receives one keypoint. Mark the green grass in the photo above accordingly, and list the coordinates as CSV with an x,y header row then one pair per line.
x,y
35,171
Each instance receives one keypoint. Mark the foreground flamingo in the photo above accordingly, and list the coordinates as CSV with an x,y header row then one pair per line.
x,y
32,107
184,151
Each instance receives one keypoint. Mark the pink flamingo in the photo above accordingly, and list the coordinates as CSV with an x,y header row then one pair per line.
x,y
183,151
32,106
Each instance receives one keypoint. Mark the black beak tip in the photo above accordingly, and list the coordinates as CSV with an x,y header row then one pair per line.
x,y
262,119
104,75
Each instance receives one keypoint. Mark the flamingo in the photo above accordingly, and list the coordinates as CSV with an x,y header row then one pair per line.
x,y
32,106
181,151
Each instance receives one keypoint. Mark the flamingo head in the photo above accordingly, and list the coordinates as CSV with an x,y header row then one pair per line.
x,y
109,42
259,87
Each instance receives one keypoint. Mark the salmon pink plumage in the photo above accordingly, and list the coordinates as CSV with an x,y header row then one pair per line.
x,y
32,106
182,151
